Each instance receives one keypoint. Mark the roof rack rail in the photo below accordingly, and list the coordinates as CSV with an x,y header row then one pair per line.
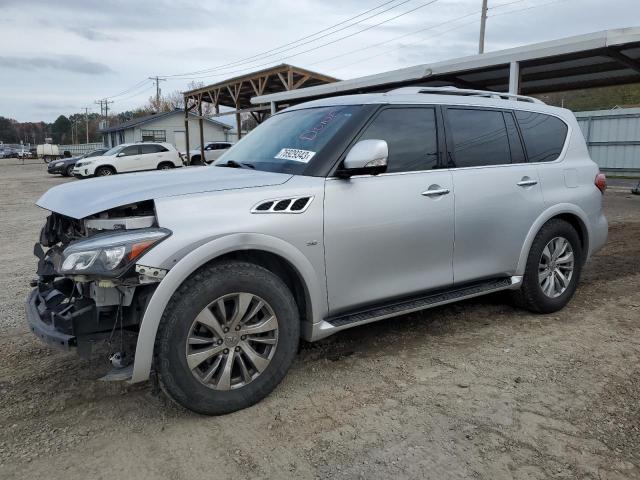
x,y
465,92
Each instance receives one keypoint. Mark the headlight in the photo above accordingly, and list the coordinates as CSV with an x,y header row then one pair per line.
x,y
110,254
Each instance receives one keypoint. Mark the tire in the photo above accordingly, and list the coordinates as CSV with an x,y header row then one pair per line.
x,y
187,385
196,160
104,172
165,166
532,295
69,171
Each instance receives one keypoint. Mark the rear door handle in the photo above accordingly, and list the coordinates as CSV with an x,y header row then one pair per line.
x,y
527,183
436,192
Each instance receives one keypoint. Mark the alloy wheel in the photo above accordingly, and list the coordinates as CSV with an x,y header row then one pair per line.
x,y
556,266
232,341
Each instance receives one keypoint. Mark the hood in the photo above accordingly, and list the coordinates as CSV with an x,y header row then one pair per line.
x,y
86,197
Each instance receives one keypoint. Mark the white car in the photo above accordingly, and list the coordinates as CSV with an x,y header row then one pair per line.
x,y
130,157
212,151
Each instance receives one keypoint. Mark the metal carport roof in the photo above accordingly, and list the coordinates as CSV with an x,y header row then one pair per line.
x,y
610,57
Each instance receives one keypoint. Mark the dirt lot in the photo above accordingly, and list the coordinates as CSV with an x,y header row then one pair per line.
x,y
474,390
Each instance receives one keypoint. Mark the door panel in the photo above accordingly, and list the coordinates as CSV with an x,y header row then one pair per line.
x,y
385,239
493,215
497,195
130,161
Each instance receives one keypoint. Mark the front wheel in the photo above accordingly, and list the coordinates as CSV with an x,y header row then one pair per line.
x,y
165,166
553,268
227,338
104,172
69,171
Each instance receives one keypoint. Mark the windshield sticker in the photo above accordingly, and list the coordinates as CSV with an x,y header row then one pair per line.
x,y
295,154
311,134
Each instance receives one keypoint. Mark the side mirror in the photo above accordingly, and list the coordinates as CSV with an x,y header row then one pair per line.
x,y
121,154
367,157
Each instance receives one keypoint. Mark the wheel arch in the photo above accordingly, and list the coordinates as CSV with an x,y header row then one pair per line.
x,y
107,165
278,256
567,212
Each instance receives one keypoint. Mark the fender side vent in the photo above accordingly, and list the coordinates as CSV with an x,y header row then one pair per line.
x,y
283,205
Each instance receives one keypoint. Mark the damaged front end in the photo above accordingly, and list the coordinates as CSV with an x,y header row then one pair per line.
x,y
90,287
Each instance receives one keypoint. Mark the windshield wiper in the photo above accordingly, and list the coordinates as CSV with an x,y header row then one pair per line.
x,y
234,164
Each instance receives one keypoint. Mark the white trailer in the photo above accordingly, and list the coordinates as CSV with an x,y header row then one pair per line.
x,y
48,152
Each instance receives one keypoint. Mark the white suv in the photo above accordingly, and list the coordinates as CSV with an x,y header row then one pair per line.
x,y
130,157
212,151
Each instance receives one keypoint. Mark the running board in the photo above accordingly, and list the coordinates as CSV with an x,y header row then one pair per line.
x,y
341,322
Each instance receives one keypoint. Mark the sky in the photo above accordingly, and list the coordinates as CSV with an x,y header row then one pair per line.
x,y
58,57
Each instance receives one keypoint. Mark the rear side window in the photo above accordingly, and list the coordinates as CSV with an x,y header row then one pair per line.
x,y
543,135
411,136
152,148
478,137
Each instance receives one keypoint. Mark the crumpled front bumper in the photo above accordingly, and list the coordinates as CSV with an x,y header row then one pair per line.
x,y
37,310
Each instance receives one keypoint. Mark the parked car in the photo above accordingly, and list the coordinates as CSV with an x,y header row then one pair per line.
x,y
130,157
331,214
212,151
65,167
48,152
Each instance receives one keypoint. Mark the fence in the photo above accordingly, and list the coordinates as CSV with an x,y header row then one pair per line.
x,y
613,138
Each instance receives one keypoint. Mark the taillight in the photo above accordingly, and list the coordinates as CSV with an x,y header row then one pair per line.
x,y
601,182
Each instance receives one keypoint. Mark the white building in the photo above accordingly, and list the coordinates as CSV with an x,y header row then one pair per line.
x,y
166,127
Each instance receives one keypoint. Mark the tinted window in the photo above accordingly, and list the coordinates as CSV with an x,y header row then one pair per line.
x,y
543,135
515,144
479,137
152,148
411,136
289,141
130,150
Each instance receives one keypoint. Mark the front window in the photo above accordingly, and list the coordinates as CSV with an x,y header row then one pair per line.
x,y
154,135
287,142
113,151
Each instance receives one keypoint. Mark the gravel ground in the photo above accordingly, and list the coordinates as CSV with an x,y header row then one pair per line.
x,y
473,390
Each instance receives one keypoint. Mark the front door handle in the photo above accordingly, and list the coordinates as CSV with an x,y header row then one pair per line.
x,y
436,192
527,183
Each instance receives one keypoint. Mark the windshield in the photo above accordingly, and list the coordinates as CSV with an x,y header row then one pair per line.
x,y
113,151
287,142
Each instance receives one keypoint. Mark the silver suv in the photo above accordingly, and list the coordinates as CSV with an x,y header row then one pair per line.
x,y
331,214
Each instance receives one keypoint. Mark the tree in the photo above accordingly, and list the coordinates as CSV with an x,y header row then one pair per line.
x,y
8,133
61,130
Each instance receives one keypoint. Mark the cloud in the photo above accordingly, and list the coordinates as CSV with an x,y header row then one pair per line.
x,y
93,34
69,63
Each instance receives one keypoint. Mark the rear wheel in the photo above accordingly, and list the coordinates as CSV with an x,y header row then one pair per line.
x,y
104,171
196,160
553,268
227,338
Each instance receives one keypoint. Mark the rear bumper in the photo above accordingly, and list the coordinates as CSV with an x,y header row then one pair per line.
x,y
36,310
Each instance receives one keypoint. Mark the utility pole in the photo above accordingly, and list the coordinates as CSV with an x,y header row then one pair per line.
x,y
158,80
86,122
483,25
104,110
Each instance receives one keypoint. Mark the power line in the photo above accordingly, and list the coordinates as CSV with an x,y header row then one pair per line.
x,y
130,89
527,8
451,29
322,45
259,55
296,43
